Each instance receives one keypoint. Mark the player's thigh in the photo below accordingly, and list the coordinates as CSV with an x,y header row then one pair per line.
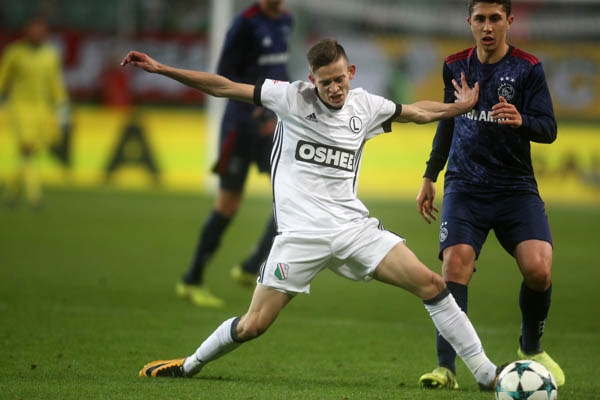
x,y
401,267
360,247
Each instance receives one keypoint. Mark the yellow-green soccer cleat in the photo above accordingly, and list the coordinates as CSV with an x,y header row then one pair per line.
x,y
198,295
164,368
547,361
439,378
243,278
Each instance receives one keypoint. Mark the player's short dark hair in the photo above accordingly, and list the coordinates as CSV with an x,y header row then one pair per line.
x,y
324,53
506,5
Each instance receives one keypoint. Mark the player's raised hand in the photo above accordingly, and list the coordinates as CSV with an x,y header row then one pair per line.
x,y
506,114
141,60
464,93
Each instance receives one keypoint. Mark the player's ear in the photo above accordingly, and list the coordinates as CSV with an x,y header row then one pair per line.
x,y
351,71
311,78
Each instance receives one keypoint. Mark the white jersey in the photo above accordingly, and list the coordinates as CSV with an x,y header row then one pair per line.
x,y
316,153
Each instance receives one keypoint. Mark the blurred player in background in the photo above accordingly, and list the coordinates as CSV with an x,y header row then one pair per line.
x,y
322,128
31,80
256,46
489,182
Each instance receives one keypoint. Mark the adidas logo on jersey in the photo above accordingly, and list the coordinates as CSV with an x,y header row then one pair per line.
x,y
311,117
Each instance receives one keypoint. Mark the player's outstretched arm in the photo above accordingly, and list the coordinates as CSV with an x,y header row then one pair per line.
x,y
426,111
211,84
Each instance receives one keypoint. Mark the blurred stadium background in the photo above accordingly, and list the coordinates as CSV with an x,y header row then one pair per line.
x,y
397,45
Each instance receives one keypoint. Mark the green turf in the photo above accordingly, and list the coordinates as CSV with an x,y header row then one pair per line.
x,y
86,298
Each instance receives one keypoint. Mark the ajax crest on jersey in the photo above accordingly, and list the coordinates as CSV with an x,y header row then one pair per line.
x,y
526,380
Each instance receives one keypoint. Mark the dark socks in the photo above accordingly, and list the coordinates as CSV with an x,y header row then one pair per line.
x,y
445,352
260,253
534,311
209,241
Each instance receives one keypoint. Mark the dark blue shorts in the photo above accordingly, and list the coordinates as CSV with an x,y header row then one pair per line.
x,y
240,146
514,217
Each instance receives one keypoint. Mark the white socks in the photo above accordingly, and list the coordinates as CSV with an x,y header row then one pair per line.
x,y
456,328
219,343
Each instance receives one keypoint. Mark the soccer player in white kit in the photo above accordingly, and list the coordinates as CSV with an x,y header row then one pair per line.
x,y
318,143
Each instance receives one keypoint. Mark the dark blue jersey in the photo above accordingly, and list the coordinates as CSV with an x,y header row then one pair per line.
x,y
256,47
482,155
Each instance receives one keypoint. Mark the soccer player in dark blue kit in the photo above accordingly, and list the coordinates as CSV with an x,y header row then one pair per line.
x,y
489,181
256,47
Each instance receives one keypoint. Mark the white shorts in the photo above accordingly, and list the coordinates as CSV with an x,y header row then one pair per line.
x,y
353,252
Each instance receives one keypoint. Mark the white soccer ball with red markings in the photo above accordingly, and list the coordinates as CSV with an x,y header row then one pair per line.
x,y
526,380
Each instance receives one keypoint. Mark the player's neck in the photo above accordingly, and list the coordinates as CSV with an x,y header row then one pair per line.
x,y
492,57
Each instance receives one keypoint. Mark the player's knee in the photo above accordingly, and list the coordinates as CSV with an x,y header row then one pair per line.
x,y
432,288
537,271
457,269
228,203
538,277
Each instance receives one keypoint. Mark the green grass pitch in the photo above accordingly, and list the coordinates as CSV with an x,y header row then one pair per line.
x,y
87,297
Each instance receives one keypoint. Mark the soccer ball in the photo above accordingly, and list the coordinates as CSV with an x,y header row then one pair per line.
x,y
526,380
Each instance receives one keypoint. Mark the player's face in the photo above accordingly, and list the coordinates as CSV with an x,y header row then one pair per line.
x,y
272,7
333,81
489,25
36,32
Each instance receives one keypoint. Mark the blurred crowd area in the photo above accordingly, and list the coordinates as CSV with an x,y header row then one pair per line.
x,y
398,45
541,19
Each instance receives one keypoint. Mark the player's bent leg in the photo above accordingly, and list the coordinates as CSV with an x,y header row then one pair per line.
x,y
401,267
457,270
264,308
534,258
454,325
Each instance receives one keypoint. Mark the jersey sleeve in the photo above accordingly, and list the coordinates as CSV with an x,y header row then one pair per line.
x,y
383,111
443,134
273,94
539,123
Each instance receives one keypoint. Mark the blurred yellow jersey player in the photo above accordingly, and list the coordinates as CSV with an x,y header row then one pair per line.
x,y
32,84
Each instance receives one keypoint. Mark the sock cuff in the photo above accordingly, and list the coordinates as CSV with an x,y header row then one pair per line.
x,y
439,297
456,286
233,330
526,289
